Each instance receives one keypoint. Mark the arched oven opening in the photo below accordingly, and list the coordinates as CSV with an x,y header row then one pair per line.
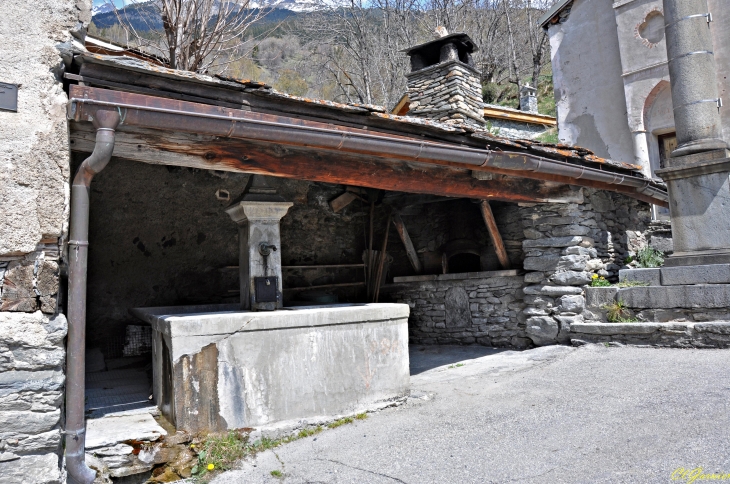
x,y
460,256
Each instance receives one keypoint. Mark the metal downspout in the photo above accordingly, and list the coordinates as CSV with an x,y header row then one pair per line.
x,y
105,122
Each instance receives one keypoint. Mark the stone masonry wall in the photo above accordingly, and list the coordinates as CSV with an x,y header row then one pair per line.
x,y
34,196
565,245
449,91
486,310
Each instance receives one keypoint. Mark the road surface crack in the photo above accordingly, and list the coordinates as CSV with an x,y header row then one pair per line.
x,y
363,470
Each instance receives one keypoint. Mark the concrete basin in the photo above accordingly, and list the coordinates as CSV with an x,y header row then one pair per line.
x,y
217,367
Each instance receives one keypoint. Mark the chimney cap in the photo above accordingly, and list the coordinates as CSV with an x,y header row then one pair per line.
x,y
463,40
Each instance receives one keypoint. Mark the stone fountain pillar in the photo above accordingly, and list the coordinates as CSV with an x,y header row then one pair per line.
x,y
258,212
698,173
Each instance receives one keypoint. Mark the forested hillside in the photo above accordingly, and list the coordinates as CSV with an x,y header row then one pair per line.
x,y
346,52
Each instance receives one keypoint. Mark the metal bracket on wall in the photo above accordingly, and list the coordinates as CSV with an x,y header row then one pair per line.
x,y
707,15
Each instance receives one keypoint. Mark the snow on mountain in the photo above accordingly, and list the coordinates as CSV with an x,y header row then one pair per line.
x,y
103,7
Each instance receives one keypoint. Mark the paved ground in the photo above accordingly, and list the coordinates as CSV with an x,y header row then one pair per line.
x,y
549,415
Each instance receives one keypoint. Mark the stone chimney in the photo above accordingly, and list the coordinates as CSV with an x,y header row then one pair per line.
x,y
443,83
528,99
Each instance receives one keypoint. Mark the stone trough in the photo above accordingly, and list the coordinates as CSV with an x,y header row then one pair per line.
x,y
219,367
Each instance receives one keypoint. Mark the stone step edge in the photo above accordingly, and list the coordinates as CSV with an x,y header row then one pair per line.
x,y
607,329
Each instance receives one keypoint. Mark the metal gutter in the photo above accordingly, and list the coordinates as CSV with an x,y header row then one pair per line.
x,y
287,131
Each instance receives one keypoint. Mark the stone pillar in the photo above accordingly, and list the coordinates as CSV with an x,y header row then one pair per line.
x,y
697,174
260,246
693,76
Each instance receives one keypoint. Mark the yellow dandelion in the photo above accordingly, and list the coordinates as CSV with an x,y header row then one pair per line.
x,y
211,467
595,276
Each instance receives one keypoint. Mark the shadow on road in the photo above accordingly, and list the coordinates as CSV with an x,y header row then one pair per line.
x,y
424,358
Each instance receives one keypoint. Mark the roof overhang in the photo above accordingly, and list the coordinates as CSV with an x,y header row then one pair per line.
x,y
168,131
558,7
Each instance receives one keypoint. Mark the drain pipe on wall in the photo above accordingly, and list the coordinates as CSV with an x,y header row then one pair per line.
x,y
105,122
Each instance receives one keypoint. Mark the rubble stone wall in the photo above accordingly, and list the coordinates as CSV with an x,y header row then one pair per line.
x,y
34,196
565,245
484,310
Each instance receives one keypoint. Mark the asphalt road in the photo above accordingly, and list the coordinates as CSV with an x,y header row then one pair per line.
x,y
549,415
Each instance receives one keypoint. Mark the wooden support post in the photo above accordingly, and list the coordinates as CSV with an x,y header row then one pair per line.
x,y
406,239
342,201
494,234
371,261
383,255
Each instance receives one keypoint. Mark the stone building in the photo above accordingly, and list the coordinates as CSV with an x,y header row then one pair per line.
x,y
494,241
611,76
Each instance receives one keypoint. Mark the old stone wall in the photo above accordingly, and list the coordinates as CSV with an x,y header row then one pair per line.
x,y
566,244
34,195
482,308
447,91
559,247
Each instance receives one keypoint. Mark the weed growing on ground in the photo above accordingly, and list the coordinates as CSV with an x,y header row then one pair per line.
x,y
617,312
220,451
458,365
340,422
649,257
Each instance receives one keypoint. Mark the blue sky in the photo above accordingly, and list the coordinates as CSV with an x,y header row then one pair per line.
x,y
118,3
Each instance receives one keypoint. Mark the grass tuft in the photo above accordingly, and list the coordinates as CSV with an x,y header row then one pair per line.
x,y
631,284
648,257
277,474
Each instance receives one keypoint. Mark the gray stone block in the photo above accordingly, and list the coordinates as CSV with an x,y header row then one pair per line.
x,y
571,278
651,276
615,328
707,274
543,263
542,330
39,469
33,381
719,327
552,290
597,297
663,244
707,296
552,242
572,304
